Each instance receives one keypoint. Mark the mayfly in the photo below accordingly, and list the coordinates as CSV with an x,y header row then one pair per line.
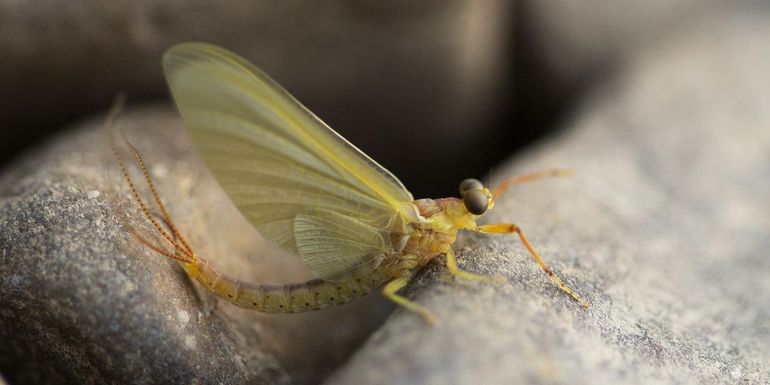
x,y
310,192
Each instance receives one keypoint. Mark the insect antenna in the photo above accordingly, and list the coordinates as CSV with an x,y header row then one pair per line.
x,y
521,179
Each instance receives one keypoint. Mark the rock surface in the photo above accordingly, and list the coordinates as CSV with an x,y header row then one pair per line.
x,y
665,229
81,303
84,302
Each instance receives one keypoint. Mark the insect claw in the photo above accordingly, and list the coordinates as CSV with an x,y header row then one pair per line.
x,y
497,278
429,318
447,277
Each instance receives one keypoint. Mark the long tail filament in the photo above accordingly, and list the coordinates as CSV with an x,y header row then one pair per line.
x,y
183,252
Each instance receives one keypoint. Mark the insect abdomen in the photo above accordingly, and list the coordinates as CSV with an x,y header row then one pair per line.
x,y
289,298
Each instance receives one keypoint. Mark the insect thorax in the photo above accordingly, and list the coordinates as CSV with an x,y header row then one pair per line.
x,y
435,232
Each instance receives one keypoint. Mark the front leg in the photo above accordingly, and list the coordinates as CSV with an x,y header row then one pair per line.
x,y
451,264
507,228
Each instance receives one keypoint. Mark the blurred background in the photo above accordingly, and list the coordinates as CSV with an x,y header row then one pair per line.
x,y
436,91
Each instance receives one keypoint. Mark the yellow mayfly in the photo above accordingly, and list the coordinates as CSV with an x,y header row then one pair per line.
x,y
310,192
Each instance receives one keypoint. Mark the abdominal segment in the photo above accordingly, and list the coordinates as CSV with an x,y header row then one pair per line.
x,y
315,294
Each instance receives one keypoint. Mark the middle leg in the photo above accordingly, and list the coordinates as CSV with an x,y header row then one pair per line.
x,y
451,263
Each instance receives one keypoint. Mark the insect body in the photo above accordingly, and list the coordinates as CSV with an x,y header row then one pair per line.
x,y
308,191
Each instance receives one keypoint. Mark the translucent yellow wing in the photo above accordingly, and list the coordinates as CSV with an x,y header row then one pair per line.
x,y
296,180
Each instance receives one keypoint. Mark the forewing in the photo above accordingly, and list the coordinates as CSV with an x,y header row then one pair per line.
x,y
281,165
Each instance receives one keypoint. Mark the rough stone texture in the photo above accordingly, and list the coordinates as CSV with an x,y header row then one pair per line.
x,y
83,302
378,72
664,229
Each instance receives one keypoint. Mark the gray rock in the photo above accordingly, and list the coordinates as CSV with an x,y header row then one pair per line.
x,y
82,305
82,301
664,229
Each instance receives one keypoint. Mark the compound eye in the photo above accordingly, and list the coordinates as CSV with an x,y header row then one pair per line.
x,y
470,184
476,201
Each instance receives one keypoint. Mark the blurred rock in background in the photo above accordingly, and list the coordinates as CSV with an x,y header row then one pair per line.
x,y
564,50
428,76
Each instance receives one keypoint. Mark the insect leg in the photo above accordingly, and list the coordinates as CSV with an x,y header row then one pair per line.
x,y
507,228
451,263
520,179
390,290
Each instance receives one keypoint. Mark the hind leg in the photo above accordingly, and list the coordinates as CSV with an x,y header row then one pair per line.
x,y
390,290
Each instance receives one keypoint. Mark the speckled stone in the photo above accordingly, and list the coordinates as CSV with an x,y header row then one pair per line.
x,y
665,229
82,301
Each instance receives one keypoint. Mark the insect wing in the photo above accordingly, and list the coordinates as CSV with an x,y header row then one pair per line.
x,y
302,185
